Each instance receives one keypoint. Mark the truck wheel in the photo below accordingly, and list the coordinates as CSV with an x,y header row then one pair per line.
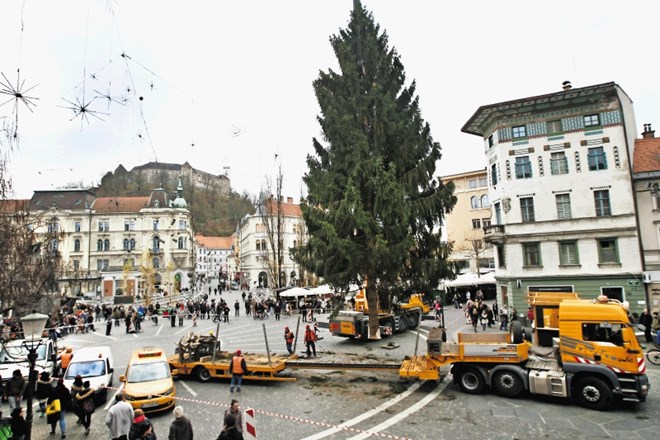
x,y
412,321
528,334
507,383
203,374
593,393
516,332
403,324
471,381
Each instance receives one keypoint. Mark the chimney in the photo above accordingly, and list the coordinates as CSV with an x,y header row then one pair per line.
x,y
648,133
566,85
289,199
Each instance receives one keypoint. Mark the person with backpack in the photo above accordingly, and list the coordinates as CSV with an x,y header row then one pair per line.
x,y
62,394
44,387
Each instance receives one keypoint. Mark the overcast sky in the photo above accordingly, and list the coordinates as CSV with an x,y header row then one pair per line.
x,y
227,86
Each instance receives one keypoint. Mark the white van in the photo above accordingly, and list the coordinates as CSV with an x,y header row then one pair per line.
x,y
95,365
13,356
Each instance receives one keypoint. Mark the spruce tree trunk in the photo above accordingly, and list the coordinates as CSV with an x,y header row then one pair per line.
x,y
372,302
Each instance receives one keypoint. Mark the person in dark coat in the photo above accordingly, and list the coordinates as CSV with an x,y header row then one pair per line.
x,y
647,321
85,398
18,424
180,428
76,387
44,388
61,393
142,428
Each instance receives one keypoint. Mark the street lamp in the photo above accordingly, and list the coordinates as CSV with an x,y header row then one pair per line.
x,y
33,328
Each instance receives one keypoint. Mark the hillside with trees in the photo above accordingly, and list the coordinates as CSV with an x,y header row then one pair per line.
x,y
214,212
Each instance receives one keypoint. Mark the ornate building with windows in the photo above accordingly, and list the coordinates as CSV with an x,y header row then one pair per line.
x,y
465,224
214,258
119,245
256,255
560,184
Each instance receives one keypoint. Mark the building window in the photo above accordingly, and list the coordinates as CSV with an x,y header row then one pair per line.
x,y
602,200
129,262
472,183
607,251
498,213
76,245
131,244
519,131
656,199
563,202
76,265
156,263
558,163
53,245
553,127
527,209
485,222
476,223
597,159
99,245
568,253
104,225
102,264
182,225
182,243
155,244
129,225
485,203
592,120
258,245
500,256
532,254
523,167
106,245
474,202
76,226
53,227
155,224
483,182
491,142
493,174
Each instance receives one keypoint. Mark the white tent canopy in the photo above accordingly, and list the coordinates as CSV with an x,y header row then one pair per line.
x,y
295,291
471,279
322,290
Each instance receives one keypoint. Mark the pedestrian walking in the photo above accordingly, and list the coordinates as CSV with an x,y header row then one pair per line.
x,y
233,423
61,394
180,428
310,341
108,325
15,389
44,388
646,319
85,398
504,318
288,338
237,368
237,308
76,387
119,418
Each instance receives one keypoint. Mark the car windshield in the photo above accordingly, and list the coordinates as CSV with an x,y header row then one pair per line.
x,y
85,369
147,372
18,353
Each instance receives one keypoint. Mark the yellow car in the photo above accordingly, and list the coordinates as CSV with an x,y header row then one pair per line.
x,y
148,382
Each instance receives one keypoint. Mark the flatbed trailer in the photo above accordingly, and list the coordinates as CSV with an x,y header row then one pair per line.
x,y
205,368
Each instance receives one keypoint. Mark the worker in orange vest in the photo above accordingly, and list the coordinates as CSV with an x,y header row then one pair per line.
x,y
66,357
237,368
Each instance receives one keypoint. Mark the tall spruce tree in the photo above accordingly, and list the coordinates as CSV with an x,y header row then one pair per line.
x,y
374,209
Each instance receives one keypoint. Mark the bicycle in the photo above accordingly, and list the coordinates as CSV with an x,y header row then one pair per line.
x,y
653,355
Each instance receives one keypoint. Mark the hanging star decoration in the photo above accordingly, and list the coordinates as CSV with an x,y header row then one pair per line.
x,y
81,109
17,94
109,98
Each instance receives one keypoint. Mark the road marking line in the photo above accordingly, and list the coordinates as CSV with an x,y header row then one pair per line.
x,y
159,329
190,390
366,415
403,414
112,401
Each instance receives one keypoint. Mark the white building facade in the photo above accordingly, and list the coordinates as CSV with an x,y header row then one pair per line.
x,y
562,200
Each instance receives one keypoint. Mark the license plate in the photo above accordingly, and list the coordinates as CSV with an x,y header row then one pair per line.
x,y
149,405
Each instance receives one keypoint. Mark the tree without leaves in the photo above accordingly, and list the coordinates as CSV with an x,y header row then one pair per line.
x,y
270,212
374,208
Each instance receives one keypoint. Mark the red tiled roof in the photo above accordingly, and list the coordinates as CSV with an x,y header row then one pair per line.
x,y
647,155
13,206
119,204
214,242
287,209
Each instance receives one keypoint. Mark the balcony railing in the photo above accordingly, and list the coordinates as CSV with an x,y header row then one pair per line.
x,y
494,234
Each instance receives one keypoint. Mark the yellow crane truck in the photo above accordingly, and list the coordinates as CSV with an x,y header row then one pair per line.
x,y
401,317
595,357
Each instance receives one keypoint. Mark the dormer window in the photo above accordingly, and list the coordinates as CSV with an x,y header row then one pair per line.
x,y
519,131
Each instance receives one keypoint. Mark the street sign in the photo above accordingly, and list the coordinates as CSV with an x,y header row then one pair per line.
x,y
633,282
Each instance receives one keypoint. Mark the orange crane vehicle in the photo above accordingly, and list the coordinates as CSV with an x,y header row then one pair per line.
x,y
401,317
594,356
